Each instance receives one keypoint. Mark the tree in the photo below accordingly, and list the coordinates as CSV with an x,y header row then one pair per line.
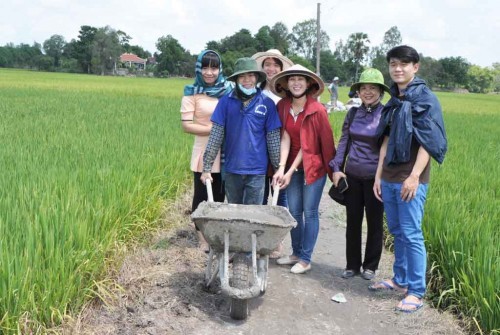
x,y
302,61
347,73
430,70
123,39
279,33
81,49
139,51
106,49
357,47
479,80
241,41
25,55
54,47
264,39
331,66
392,38
173,58
454,71
228,60
20,56
303,39
496,79
213,45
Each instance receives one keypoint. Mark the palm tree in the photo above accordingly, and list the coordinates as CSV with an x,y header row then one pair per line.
x,y
357,44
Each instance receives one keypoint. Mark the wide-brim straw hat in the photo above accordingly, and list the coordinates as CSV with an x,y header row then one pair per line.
x,y
371,76
260,57
247,65
279,83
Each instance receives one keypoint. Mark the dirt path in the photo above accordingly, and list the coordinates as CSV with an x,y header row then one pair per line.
x,y
162,293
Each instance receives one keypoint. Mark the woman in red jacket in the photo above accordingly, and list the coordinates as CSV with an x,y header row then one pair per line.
x,y
306,148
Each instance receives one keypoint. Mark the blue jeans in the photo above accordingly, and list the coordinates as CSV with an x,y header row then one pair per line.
x,y
303,203
246,189
404,220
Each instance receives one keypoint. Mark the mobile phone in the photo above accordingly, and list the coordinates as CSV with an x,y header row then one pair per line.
x,y
342,185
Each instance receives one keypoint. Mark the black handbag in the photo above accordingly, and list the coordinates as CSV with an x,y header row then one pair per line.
x,y
335,193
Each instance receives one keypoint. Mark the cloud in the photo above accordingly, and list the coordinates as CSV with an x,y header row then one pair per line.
x,y
436,28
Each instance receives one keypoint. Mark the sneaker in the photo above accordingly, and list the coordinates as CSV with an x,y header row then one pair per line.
x,y
346,274
368,274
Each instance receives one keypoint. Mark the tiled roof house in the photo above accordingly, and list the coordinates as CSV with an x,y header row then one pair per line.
x,y
130,59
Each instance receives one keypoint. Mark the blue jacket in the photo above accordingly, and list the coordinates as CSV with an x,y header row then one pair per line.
x,y
419,114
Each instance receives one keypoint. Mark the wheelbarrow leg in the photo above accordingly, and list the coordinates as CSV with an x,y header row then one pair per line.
x,y
212,268
254,255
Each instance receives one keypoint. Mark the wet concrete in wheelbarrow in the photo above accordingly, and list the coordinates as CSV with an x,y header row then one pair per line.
x,y
162,292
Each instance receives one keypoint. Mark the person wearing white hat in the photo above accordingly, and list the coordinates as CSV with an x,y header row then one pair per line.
x,y
271,62
307,146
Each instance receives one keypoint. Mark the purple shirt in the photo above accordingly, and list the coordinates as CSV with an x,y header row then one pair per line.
x,y
363,154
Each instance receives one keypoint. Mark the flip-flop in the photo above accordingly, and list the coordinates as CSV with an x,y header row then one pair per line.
x,y
385,286
417,306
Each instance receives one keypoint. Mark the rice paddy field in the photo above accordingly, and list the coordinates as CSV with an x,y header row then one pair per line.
x,y
88,162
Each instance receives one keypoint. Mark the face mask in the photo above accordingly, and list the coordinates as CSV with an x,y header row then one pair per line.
x,y
247,91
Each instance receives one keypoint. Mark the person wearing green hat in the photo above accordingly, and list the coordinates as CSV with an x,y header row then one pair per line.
x,y
248,124
356,161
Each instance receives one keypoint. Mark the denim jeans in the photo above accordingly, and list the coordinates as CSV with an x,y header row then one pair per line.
x,y
303,203
404,220
246,189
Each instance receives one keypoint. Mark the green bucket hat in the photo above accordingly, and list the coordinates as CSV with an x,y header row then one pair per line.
x,y
370,76
247,65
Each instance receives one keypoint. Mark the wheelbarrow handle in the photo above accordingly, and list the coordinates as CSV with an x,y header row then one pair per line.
x,y
210,194
276,193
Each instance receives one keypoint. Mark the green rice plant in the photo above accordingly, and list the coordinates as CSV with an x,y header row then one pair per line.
x,y
86,165
461,222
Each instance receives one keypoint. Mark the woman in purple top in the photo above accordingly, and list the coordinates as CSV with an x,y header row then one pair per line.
x,y
360,167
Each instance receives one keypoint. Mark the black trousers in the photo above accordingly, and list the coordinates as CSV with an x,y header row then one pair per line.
x,y
359,198
200,190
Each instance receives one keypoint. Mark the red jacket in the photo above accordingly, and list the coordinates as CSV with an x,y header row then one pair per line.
x,y
316,138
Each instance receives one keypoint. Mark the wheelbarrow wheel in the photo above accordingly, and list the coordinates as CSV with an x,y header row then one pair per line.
x,y
239,307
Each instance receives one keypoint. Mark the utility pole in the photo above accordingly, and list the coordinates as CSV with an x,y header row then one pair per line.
x,y
318,42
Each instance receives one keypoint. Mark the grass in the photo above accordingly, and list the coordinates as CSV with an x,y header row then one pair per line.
x,y
461,223
87,162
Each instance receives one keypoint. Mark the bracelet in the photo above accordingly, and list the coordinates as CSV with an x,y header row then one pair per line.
x,y
281,164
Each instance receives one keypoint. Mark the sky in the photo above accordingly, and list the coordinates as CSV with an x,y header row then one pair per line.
x,y
436,28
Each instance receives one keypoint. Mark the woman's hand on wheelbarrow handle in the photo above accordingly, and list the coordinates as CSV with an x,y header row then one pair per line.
x,y
280,179
205,176
206,179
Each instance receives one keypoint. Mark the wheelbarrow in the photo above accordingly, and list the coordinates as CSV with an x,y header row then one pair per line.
x,y
249,233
